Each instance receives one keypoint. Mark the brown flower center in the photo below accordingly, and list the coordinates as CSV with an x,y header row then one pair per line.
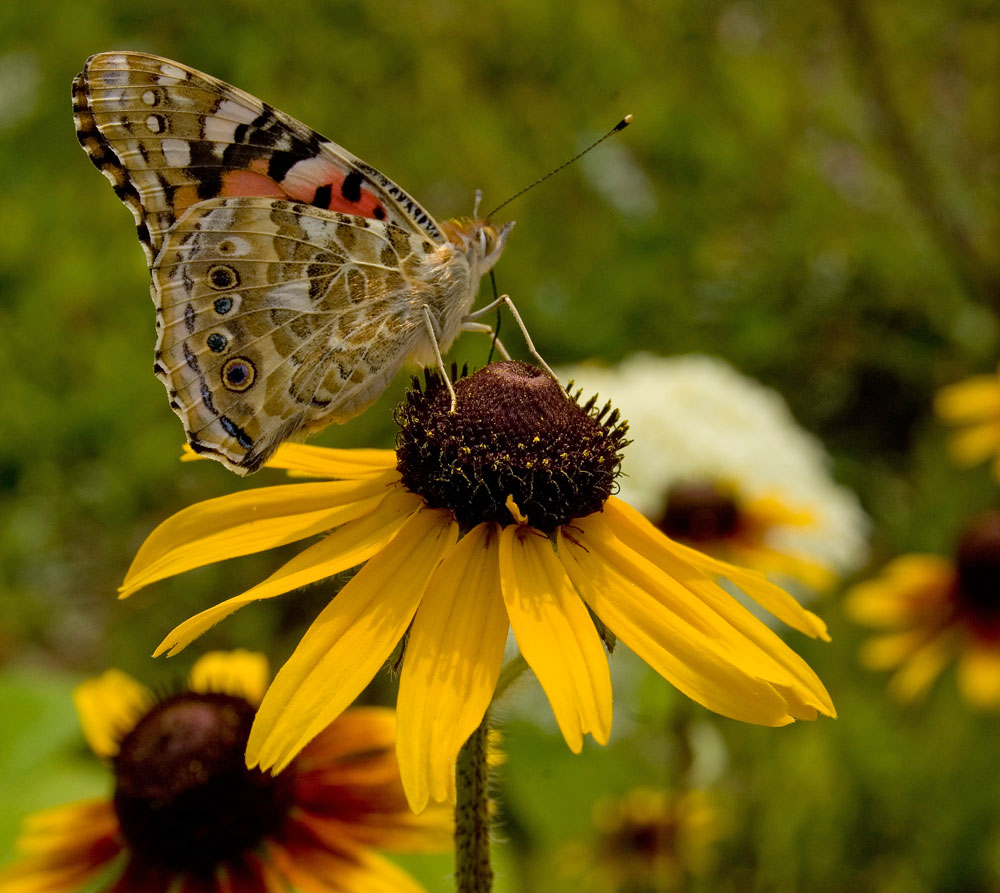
x,y
184,796
699,513
515,433
977,578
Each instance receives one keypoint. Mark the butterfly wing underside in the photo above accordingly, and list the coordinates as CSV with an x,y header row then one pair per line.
x,y
277,318
287,273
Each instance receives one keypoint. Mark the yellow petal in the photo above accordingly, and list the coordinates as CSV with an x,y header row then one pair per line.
x,y
888,651
347,547
452,663
732,632
346,868
906,590
976,397
249,521
639,534
770,561
685,656
974,444
555,634
52,831
979,676
64,848
109,707
241,673
924,666
358,731
322,462
349,641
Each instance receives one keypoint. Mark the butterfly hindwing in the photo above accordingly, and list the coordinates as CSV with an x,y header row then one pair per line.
x,y
277,317
168,137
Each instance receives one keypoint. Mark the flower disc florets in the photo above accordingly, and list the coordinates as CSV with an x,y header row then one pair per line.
x,y
977,578
183,795
515,434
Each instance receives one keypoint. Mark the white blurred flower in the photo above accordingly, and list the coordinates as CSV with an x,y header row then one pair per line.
x,y
748,483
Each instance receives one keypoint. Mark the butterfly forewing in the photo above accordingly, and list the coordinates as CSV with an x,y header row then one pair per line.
x,y
168,136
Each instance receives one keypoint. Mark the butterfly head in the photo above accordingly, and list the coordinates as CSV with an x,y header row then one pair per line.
x,y
481,242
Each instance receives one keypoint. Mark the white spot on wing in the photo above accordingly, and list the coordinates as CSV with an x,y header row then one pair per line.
x,y
303,177
236,111
316,229
154,124
177,153
241,247
218,218
172,71
149,97
219,130
291,295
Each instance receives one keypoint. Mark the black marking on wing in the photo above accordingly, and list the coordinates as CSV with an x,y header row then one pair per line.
x,y
351,187
323,195
235,431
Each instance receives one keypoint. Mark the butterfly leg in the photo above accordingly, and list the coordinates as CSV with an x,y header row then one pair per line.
x,y
505,299
433,332
487,329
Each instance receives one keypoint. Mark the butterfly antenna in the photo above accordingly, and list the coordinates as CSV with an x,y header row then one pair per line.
x,y
621,125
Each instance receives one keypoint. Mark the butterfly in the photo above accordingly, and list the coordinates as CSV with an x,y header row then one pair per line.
x,y
291,279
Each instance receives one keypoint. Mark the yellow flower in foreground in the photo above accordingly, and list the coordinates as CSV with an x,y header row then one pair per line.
x,y
937,609
493,517
187,816
975,405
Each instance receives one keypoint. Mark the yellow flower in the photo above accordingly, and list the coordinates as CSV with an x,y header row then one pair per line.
x,y
187,815
974,404
492,517
650,839
937,609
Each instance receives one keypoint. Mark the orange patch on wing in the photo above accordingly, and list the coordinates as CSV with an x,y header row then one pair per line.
x,y
250,183
184,197
364,206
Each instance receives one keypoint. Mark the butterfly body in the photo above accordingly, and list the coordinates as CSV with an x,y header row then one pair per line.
x,y
291,279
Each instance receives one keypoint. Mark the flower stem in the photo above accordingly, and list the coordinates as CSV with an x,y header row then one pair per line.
x,y
473,873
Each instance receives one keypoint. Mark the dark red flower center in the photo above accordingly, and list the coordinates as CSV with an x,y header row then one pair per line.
x,y
515,433
977,577
699,513
184,797
644,841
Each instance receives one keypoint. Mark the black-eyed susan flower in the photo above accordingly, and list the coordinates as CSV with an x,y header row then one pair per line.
x,y
650,839
720,464
974,405
188,816
496,516
936,609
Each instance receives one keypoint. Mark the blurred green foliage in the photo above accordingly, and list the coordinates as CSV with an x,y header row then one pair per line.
x,y
811,191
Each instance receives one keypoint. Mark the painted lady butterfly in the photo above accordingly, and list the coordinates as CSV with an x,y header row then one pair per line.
x,y
291,279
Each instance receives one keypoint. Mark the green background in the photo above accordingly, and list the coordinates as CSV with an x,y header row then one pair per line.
x,y
808,190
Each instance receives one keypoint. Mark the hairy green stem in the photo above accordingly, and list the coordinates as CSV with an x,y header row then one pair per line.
x,y
473,873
